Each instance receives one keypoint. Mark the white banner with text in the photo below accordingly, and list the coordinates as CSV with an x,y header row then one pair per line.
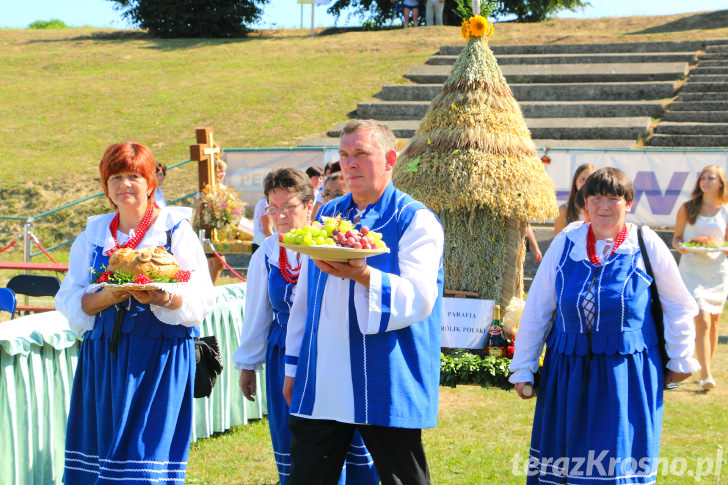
x,y
663,179
465,322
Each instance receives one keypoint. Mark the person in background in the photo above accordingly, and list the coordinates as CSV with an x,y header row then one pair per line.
x,y
601,384
161,173
533,244
334,187
130,413
262,223
433,14
411,7
568,212
363,344
704,218
330,168
220,171
316,174
272,277
215,265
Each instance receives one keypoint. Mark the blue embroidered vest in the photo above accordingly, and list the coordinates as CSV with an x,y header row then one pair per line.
x,y
623,321
395,374
280,294
138,318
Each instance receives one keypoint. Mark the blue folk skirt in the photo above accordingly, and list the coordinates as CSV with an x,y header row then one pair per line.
x,y
130,416
602,428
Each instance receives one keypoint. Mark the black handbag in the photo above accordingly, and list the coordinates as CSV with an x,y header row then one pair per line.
x,y
656,306
209,364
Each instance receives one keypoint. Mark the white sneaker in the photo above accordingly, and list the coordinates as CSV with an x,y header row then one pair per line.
x,y
707,384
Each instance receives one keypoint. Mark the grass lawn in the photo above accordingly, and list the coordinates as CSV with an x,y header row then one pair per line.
x,y
481,431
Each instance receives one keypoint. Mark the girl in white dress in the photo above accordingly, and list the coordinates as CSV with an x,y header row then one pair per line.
x,y
705,273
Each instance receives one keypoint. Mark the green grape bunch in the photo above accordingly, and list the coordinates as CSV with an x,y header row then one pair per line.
x,y
335,231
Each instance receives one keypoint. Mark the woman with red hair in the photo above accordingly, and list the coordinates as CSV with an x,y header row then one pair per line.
x,y
130,416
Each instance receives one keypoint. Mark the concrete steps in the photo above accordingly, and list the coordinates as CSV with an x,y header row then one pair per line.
x,y
624,91
699,106
691,141
710,96
542,143
684,128
566,73
617,47
405,110
582,95
709,70
620,58
698,118
547,128
704,87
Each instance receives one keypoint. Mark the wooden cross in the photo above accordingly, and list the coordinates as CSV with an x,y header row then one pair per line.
x,y
204,153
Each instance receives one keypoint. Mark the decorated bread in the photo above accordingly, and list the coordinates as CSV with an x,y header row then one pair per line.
x,y
150,262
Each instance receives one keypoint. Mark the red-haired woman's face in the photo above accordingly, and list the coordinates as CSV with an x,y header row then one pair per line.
x,y
130,161
128,190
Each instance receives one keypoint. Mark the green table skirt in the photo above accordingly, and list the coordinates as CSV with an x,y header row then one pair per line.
x,y
38,356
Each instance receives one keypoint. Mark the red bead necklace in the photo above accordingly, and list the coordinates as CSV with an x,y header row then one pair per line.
x,y
591,244
289,273
134,241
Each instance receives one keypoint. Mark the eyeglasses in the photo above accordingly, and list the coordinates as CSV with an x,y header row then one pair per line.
x,y
284,209
709,178
331,195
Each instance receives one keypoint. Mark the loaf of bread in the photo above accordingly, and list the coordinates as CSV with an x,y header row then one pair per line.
x,y
150,262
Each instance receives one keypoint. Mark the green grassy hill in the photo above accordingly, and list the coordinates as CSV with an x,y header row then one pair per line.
x,y
67,94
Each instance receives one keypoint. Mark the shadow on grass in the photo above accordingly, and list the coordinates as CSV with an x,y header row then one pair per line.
x,y
121,36
701,21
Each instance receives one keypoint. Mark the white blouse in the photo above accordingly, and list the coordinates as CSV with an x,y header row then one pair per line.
x,y
197,295
258,310
678,305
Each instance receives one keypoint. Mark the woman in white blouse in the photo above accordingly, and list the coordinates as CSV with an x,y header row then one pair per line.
x,y
600,387
130,415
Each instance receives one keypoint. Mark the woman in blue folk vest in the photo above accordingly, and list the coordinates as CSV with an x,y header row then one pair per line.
x,y
130,416
599,409
272,277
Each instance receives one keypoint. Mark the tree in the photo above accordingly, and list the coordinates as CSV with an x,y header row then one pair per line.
x,y
536,10
192,18
381,11
377,12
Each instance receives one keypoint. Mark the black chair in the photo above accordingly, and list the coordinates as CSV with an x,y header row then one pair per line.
x,y
34,285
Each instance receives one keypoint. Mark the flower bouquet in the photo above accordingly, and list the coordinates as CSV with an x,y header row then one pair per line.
x,y
221,210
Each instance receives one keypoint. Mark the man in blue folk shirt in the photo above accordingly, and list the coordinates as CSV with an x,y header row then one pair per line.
x,y
363,344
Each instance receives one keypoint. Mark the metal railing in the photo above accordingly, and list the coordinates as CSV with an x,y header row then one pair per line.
x,y
27,234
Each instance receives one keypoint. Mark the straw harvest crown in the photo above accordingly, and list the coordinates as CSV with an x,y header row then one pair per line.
x,y
473,148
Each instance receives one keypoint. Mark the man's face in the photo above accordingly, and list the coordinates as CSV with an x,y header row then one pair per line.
x,y
365,167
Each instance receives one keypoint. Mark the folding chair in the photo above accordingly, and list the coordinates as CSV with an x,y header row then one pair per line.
x,y
7,301
34,285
